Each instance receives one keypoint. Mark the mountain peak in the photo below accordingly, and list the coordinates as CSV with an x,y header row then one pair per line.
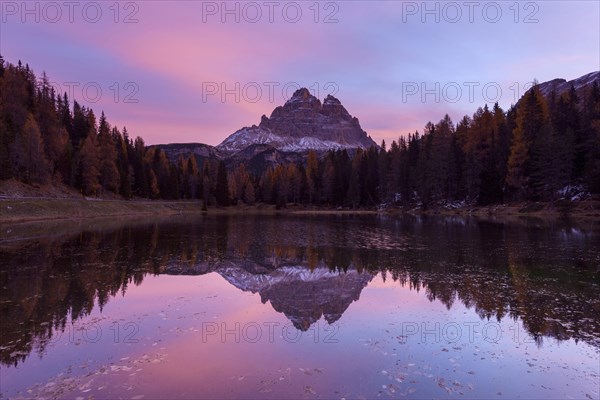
x,y
303,123
330,100
301,93
301,99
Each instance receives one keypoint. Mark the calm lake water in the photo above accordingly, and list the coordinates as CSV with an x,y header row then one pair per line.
x,y
300,307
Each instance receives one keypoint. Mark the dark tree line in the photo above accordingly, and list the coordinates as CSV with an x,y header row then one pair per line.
x,y
540,149
43,140
531,152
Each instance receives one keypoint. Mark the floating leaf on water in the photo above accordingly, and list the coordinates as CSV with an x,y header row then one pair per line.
x,y
310,390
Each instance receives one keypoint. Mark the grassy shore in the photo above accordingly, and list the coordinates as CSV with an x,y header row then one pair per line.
x,y
19,210
39,209
36,209
588,209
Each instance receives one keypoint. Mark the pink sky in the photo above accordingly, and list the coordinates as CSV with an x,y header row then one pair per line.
x,y
369,58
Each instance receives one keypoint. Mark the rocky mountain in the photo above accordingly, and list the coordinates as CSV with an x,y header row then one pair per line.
x,y
302,294
300,125
562,85
200,150
304,123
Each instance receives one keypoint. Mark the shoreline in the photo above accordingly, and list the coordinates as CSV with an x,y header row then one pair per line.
x,y
557,210
19,210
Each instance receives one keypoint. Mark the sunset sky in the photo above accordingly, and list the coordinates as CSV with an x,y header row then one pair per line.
x,y
174,58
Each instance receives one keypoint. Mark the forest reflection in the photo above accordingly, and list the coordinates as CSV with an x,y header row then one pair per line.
x,y
546,276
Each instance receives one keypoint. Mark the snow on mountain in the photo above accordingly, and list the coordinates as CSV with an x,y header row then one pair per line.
x,y
561,85
302,124
254,283
301,294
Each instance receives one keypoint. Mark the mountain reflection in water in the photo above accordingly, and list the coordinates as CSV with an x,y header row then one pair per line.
x,y
308,268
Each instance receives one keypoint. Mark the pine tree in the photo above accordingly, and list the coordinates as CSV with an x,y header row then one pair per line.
x,y
222,186
193,177
383,191
5,135
353,197
532,118
295,182
591,126
281,183
517,173
312,176
27,154
154,188
89,164
249,194
266,186
82,124
160,165
126,171
109,173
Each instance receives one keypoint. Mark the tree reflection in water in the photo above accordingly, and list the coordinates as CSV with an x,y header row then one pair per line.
x,y
547,276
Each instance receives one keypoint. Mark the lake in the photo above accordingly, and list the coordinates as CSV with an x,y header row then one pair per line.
x,y
300,307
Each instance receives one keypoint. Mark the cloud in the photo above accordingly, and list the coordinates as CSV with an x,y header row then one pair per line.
x,y
174,50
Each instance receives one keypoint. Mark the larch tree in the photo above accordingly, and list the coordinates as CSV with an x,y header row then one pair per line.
x,y
532,118
222,186
89,164
312,176
28,157
109,173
